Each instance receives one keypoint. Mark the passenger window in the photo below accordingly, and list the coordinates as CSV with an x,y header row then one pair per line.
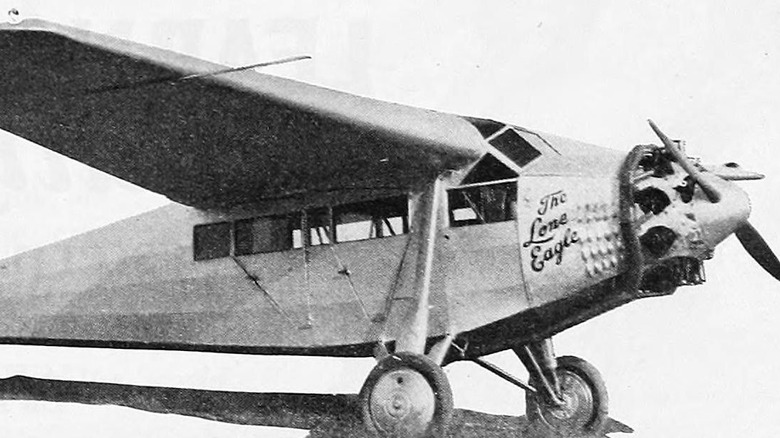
x,y
483,204
318,224
211,241
322,226
372,219
263,234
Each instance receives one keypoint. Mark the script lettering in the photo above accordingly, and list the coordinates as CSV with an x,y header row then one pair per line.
x,y
550,201
549,235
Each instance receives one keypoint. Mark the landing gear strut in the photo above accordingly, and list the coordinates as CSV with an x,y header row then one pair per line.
x,y
570,399
406,396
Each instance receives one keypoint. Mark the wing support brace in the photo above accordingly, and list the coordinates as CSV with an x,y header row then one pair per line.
x,y
414,324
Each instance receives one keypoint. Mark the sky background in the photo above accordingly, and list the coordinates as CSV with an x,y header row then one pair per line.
x,y
703,362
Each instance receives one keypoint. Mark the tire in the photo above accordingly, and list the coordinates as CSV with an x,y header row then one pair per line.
x,y
406,396
587,402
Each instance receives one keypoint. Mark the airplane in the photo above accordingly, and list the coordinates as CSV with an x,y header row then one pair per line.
x,y
306,221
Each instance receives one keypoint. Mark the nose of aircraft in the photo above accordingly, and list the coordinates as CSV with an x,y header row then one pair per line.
x,y
726,212
718,220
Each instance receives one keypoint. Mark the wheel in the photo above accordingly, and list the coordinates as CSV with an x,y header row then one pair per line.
x,y
585,401
406,396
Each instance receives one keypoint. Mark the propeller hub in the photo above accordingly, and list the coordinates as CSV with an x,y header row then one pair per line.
x,y
702,225
677,215
718,221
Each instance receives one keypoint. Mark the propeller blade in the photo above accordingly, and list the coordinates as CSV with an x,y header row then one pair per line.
x,y
757,247
712,193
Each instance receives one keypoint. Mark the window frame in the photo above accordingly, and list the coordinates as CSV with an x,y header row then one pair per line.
x,y
480,218
324,218
288,218
379,218
197,253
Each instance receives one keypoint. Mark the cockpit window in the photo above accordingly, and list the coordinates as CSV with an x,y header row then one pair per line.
x,y
483,204
515,147
486,127
489,169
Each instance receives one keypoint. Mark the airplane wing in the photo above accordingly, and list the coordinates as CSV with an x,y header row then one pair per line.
x,y
214,141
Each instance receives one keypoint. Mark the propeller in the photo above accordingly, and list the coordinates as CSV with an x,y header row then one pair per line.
x,y
712,193
748,236
757,247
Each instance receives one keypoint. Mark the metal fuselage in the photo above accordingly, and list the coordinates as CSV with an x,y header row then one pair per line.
x,y
563,247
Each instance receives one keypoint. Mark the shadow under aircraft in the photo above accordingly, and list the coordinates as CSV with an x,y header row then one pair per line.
x,y
324,415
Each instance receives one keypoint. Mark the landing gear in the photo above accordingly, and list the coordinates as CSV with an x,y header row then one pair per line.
x,y
583,410
406,396
570,398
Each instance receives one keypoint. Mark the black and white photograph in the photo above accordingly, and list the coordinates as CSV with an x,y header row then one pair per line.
x,y
389,219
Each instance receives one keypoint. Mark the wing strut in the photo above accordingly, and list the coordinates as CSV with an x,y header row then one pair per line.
x,y
342,268
414,324
253,278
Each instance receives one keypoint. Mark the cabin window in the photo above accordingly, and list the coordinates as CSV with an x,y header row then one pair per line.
x,y
483,204
371,219
323,226
318,223
211,241
263,234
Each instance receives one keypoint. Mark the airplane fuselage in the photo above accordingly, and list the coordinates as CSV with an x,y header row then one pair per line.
x,y
516,259
514,255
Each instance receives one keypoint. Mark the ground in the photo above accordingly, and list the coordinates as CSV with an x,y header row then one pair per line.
x,y
323,414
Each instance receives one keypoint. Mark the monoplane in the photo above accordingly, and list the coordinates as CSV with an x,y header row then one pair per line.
x,y
307,221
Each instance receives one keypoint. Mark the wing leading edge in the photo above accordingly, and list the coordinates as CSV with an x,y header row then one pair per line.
x,y
212,142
